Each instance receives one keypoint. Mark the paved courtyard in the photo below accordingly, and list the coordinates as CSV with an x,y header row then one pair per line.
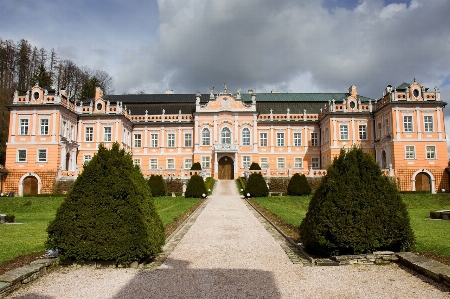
x,y
227,253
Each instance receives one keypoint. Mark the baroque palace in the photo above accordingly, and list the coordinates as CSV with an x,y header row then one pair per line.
x,y
50,137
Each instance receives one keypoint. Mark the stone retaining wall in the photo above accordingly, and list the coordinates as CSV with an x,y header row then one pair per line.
x,y
14,279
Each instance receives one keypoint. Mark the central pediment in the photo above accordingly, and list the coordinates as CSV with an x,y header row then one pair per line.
x,y
226,103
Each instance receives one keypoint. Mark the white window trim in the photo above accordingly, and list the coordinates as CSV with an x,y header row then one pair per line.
x,y
318,163
167,163
262,163
301,159
90,134
435,152
150,164
414,152
27,126
248,162
185,165
135,139
41,126
37,155
17,155
244,138
209,162
412,124
432,124
266,139
297,139
190,140
278,163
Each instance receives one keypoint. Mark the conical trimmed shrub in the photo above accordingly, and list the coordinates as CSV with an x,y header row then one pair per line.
x,y
109,215
356,209
298,185
157,185
256,186
195,187
254,166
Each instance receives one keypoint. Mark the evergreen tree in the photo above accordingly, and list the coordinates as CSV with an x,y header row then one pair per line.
x,y
256,186
298,185
157,185
255,166
195,187
196,166
109,214
42,78
356,209
88,88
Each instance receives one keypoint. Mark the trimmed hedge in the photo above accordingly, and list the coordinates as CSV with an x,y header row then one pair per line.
x,y
195,187
256,186
196,166
109,215
254,166
298,185
356,209
157,185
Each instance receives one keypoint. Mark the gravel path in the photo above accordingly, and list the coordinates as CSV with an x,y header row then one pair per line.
x,y
227,253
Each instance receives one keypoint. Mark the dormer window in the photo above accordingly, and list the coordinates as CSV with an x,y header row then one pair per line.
x,y
99,106
352,104
36,95
416,93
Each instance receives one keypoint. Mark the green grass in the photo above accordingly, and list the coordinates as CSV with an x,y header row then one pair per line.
x,y
431,235
36,212
169,208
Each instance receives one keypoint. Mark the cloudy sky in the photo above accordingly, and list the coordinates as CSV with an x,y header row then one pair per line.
x,y
291,45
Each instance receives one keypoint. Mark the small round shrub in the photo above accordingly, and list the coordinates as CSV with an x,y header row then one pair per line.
x,y
298,185
196,166
356,209
254,166
195,187
109,214
157,185
256,186
10,218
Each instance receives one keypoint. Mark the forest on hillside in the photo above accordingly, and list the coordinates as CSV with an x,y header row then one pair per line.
x,y
23,65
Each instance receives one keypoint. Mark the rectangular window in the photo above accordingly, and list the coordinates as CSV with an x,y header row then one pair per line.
x,y
89,134
297,139
298,163
410,152
344,132
206,137
42,155
188,140
22,155
23,127
407,123
264,163
386,126
281,163
87,158
187,163
314,139
428,122
280,139
379,130
362,132
315,163
246,161
43,128
153,164
245,136
206,162
64,129
170,163
137,140
431,152
170,140
262,139
137,162
107,134
153,140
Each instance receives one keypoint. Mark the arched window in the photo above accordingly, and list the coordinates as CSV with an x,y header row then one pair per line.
x,y
245,136
225,136
206,137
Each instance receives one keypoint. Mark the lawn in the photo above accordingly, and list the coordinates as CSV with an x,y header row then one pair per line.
x,y
431,235
36,212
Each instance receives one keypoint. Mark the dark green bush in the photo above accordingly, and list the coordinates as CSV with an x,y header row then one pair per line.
x,y
157,185
435,214
10,218
209,184
278,184
195,187
196,166
109,215
298,185
356,209
254,166
256,186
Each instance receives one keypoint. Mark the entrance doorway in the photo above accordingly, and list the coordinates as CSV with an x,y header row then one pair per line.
x,y
226,168
423,182
30,185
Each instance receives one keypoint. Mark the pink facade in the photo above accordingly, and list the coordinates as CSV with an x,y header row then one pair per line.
x,y
51,137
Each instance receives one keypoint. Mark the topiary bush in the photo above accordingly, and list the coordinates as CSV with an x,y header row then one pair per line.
x,y
195,187
109,214
298,185
157,185
256,186
356,209
196,166
254,166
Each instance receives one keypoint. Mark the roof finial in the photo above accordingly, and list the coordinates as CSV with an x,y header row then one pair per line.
x,y
415,80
